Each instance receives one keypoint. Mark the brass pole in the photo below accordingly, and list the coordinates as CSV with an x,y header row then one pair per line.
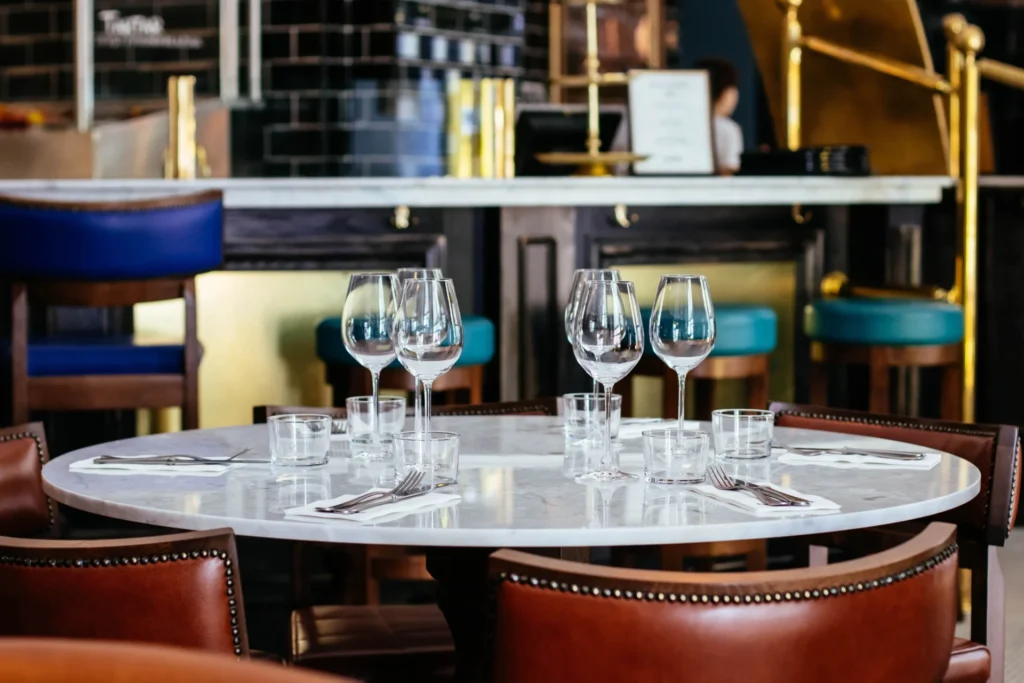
x,y
972,40
791,56
953,25
593,71
555,49
890,67
1007,74
180,158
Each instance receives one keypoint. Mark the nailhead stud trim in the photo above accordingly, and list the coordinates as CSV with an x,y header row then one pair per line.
x,y
756,598
81,563
41,454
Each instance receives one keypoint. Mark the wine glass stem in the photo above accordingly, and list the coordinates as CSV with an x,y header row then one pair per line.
x,y
426,406
417,390
682,401
597,388
374,407
607,464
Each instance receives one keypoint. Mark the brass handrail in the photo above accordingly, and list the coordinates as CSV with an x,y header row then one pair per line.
x,y
892,67
1007,74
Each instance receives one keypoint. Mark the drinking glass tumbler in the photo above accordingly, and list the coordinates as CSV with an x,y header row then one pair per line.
x,y
671,457
743,434
299,440
390,414
584,415
436,454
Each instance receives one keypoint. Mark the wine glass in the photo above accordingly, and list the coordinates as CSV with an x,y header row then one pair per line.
x,y
428,333
608,341
683,326
580,279
418,274
366,327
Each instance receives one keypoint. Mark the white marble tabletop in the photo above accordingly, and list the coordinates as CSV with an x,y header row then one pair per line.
x,y
517,489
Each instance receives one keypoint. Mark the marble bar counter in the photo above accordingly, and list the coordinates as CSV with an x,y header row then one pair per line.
x,y
314,193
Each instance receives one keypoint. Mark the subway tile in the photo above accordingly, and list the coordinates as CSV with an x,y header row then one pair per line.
x,y
296,143
291,12
14,55
311,169
188,16
276,45
309,109
286,77
32,21
278,110
52,52
310,44
31,86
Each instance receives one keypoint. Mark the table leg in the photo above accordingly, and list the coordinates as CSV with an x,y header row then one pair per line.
x,y
462,595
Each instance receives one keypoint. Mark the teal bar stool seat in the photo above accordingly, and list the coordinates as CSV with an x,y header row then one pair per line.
x,y
746,335
348,378
884,334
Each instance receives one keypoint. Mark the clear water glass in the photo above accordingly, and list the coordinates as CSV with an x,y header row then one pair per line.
x,y
608,342
743,434
436,454
302,440
404,274
390,414
671,457
578,289
428,333
682,326
367,325
583,415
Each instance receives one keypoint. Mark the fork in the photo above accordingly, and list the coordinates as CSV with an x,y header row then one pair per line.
x,y
409,482
369,504
180,458
723,482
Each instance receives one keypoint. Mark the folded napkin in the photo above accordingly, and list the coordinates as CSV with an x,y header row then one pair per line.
x,y
634,429
88,466
748,503
400,508
853,461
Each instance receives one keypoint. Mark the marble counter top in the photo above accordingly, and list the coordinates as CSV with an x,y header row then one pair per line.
x,y
517,490
312,193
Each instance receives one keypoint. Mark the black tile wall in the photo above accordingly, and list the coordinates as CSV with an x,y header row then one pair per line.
x,y
351,87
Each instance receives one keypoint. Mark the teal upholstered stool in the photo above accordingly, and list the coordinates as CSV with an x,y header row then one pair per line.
x,y
348,378
884,334
746,336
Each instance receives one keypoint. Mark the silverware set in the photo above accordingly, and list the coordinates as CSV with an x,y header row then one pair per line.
x,y
765,494
842,450
179,459
408,487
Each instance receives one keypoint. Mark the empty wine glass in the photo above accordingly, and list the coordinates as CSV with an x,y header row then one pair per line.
x,y
366,327
683,326
417,390
428,333
608,341
580,279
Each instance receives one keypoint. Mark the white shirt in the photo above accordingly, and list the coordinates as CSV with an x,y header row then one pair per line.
x,y
728,144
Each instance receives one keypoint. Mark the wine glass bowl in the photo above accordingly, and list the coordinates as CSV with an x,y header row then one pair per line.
x,y
580,279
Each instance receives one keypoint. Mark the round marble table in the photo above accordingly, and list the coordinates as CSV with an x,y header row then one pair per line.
x,y
517,489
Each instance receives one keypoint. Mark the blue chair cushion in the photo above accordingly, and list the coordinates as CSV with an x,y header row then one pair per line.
x,y
477,343
61,356
133,240
888,322
740,330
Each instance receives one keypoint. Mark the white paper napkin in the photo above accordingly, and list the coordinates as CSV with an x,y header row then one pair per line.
x,y
859,462
89,466
634,429
748,503
434,499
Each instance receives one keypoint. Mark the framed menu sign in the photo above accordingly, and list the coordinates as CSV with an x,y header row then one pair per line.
x,y
670,122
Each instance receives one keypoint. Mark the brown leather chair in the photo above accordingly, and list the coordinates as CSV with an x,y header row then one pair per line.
x,y
24,509
181,589
374,642
30,660
982,525
886,617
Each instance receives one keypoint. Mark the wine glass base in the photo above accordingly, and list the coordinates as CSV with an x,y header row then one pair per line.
x,y
612,475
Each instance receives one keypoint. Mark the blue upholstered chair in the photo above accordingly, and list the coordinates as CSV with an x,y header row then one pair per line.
x,y
746,337
348,378
883,334
102,254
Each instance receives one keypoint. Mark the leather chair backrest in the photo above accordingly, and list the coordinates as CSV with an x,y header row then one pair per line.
x,y
179,235
24,508
994,449
536,407
30,660
181,590
886,617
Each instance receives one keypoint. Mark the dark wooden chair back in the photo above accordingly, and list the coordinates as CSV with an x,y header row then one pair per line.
x,y
994,449
182,590
563,621
540,406
24,509
31,660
